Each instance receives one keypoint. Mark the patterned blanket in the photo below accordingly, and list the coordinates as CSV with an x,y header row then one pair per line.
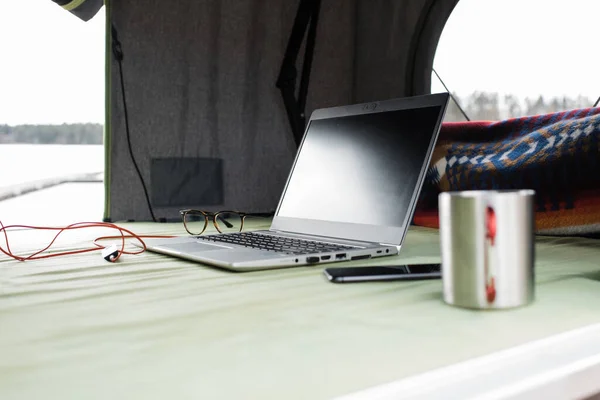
x,y
557,155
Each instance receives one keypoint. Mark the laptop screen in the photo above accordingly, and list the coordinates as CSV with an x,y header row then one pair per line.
x,y
362,168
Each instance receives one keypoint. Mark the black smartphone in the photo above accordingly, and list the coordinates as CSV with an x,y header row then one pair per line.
x,y
384,273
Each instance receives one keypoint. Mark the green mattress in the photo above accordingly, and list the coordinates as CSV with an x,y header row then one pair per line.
x,y
155,327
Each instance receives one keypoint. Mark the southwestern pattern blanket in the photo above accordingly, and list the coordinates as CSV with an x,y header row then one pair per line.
x,y
557,155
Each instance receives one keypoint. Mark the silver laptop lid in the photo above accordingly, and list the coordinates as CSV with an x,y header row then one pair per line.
x,y
360,168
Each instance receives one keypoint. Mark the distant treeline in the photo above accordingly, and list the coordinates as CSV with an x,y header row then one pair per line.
x,y
493,106
52,134
477,105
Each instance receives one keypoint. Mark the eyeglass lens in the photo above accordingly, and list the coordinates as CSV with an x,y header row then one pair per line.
x,y
228,222
195,222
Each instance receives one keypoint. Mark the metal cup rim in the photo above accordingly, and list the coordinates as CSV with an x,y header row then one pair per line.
x,y
486,193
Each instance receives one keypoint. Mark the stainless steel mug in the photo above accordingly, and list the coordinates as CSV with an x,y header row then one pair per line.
x,y
487,245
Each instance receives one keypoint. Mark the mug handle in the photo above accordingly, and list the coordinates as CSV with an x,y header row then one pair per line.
x,y
490,282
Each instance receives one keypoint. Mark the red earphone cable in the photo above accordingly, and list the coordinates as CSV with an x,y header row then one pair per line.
x,y
124,234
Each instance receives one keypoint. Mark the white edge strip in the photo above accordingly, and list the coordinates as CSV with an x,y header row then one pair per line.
x,y
561,366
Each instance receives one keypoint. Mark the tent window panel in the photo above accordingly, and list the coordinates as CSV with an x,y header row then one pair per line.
x,y
507,58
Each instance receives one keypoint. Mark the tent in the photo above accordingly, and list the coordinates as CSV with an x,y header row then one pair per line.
x,y
203,106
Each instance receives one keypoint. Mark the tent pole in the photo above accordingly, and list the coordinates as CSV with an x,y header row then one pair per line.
x,y
306,18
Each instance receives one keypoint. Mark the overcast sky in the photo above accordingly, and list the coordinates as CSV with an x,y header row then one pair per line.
x,y
52,68
525,47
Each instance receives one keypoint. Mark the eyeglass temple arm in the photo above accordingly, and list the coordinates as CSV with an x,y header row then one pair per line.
x,y
226,223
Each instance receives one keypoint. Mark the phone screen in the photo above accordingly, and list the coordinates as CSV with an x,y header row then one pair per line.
x,y
384,273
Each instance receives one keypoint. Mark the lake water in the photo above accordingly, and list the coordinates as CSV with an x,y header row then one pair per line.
x,y
20,163
59,205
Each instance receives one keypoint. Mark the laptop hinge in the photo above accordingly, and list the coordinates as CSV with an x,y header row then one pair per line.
x,y
329,238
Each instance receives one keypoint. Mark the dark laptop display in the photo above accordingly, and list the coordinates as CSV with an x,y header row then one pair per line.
x,y
386,164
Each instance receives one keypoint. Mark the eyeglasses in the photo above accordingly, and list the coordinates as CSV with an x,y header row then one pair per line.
x,y
196,221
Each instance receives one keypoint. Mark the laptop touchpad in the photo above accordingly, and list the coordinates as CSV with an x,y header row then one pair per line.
x,y
193,247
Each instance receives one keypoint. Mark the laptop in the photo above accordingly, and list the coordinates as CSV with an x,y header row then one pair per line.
x,y
350,194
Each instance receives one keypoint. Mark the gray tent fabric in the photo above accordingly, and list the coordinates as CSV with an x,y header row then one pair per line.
x,y
208,126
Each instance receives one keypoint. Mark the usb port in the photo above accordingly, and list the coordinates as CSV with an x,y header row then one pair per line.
x,y
325,257
340,256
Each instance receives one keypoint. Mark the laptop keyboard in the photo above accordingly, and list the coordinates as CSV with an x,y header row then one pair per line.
x,y
278,244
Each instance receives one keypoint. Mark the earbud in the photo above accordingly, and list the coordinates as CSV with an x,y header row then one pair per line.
x,y
110,253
